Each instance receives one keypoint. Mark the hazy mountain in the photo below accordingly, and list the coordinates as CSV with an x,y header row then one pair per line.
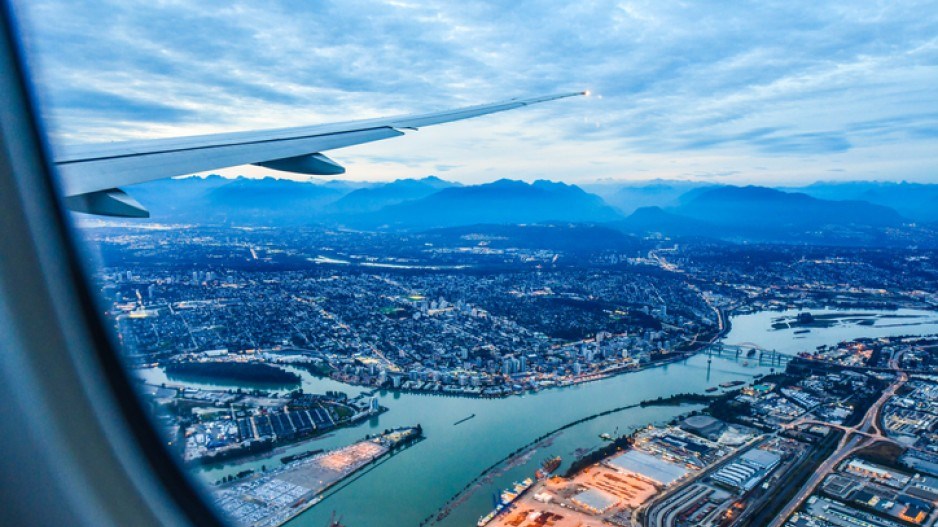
x,y
769,215
343,185
725,212
267,193
916,201
381,195
649,220
241,200
761,209
501,202
631,196
166,198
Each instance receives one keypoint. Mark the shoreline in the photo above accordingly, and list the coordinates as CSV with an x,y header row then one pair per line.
x,y
347,480
331,488
675,400
724,315
727,326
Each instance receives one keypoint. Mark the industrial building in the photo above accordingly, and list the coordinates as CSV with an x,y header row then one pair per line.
x,y
650,467
747,471
594,501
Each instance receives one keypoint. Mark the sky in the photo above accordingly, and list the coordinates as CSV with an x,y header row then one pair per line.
x,y
771,92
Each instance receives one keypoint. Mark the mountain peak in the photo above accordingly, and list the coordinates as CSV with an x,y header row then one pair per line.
x,y
504,201
374,198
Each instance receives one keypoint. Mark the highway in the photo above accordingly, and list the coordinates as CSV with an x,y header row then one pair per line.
x,y
854,439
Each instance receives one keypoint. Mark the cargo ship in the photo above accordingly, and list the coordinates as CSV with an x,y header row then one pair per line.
x,y
547,467
506,498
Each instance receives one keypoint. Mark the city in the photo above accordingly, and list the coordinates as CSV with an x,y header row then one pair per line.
x,y
387,263
817,439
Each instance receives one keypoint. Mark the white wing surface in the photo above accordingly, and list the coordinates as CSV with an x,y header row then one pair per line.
x,y
92,174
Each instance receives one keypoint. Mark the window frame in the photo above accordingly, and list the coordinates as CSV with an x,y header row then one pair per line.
x,y
79,445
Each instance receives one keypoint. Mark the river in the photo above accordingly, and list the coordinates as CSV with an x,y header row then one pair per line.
x,y
415,483
846,324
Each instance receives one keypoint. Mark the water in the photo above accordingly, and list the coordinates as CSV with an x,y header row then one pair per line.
x,y
415,483
757,328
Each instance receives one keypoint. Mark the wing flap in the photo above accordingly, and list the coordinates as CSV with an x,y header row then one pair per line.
x,y
111,202
314,164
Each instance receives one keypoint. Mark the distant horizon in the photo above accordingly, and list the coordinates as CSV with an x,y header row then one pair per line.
x,y
269,174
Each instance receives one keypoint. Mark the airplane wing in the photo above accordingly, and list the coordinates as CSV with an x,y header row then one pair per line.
x,y
90,175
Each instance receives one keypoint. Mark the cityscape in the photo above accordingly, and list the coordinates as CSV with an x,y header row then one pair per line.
x,y
229,330
391,263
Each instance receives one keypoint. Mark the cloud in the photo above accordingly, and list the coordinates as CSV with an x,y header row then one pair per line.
x,y
751,90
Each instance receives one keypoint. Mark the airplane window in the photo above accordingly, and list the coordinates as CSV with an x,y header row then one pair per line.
x,y
384,263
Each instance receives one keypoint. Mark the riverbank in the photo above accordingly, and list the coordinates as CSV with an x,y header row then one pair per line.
x,y
265,449
564,383
673,356
443,512
407,489
234,372
399,489
274,497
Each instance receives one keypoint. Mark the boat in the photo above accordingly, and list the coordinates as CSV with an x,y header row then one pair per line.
x,y
551,464
489,517
802,331
302,455
464,419
506,498
711,389
548,467
605,436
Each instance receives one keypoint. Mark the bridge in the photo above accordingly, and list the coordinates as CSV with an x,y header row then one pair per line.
x,y
748,351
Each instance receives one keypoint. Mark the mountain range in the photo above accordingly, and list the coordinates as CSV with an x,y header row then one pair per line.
x,y
916,201
763,214
501,202
862,213
373,198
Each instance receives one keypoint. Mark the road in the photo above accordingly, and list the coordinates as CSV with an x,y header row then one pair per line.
x,y
854,439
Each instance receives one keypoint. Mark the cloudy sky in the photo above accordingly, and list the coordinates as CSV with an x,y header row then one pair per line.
x,y
738,92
